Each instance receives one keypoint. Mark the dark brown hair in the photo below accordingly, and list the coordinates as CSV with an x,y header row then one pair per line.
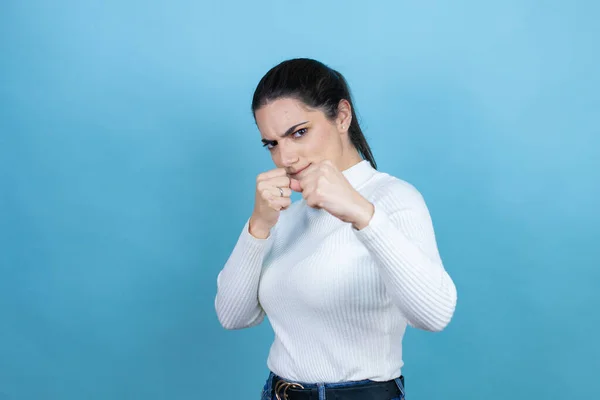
x,y
316,85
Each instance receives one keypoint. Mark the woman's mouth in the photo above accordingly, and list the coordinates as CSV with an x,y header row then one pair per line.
x,y
299,171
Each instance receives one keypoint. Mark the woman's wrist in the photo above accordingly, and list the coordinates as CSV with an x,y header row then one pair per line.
x,y
364,213
258,229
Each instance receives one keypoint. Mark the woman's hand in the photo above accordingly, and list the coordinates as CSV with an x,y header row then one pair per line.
x,y
269,201
325,187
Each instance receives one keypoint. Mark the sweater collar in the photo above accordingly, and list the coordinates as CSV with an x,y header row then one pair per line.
x,y
359,173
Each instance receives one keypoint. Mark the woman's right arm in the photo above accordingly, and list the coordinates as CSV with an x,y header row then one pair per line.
x,y
236,302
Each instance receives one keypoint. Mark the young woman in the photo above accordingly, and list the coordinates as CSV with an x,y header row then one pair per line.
x,y
341,272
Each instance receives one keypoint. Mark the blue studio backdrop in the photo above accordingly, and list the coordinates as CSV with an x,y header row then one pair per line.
x,y
128,156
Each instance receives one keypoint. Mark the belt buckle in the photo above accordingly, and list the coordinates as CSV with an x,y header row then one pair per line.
x,y
285,386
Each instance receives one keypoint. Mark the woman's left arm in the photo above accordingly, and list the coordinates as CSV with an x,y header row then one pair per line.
x,y
401,239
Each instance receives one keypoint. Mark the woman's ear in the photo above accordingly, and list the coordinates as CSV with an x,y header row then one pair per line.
x,y
344,116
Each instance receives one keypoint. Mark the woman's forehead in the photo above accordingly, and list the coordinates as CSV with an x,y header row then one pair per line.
x,y
276,117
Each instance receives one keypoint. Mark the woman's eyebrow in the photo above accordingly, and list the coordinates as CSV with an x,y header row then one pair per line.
x,y
292,128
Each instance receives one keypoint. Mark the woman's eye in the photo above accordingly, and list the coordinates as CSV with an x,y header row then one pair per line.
x,y
269,144
300,132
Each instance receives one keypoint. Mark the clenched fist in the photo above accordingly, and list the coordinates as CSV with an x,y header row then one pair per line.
x,y
324,186
272,195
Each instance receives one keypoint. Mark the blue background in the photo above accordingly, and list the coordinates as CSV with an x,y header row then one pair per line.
x,y
128,156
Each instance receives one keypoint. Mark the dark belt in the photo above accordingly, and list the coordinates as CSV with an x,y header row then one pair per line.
x,y
369,390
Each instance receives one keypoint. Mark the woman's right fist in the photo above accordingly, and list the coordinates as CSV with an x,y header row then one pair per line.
x,y
272,195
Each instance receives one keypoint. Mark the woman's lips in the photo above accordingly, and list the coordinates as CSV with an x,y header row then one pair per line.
x,y
299,171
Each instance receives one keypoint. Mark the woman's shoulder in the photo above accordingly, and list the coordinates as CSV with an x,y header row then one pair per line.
x,y
391,185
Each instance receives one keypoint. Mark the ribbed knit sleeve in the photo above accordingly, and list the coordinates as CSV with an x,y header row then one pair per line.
x,y
236,302
400,238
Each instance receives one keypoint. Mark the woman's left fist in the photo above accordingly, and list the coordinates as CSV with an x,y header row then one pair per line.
x,y
323,186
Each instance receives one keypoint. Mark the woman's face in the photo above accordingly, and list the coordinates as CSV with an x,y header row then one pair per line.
x,y
298,136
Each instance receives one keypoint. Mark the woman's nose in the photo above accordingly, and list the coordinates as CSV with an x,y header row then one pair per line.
x,y
288,156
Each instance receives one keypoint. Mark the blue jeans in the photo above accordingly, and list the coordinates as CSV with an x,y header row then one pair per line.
x,y
268,394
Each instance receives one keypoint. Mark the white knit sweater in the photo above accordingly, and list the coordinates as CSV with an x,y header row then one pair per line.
x,y
339,299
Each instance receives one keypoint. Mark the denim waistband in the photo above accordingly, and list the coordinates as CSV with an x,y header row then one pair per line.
x,y
268,387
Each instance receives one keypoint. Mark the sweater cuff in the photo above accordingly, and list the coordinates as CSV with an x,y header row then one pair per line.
x,y
378,221
253,246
